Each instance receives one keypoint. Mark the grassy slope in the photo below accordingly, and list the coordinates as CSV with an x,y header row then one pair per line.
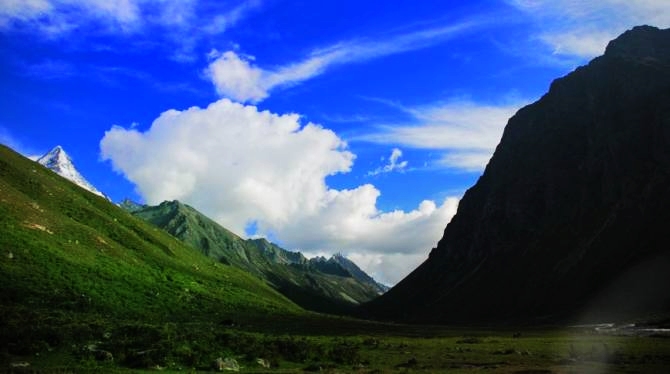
x,y
79,278
68,257
289,272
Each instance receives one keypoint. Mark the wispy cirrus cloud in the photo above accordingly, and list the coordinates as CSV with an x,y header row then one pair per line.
x,y
54,17
184,23
583,29
61,16
239,77
466,133
392,165
221,22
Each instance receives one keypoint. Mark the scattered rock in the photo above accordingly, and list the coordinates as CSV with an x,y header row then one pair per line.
x,y
228,364
263,362
102,355
228,322
313,367
99,354
371,342
36,226
411,363
10,255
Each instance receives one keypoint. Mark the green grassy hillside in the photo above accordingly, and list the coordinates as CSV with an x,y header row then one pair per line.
x,y
317,284
86,287
75,268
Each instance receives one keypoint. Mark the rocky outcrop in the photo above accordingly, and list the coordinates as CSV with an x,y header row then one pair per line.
x,y
571,217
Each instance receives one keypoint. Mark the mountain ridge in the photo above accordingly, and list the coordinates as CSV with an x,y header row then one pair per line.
x,y
319,284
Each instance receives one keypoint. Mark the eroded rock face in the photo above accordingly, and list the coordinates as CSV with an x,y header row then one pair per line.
x,y
571,218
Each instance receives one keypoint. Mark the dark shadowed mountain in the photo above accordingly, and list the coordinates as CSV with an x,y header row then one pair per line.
x,y
332,285
570,220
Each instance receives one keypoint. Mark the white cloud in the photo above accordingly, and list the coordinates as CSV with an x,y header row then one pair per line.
x,y
583,29
223,21
239,165
22,10
55,17
236,78
186,24
469,161
466,132
388,269
393,164
229,69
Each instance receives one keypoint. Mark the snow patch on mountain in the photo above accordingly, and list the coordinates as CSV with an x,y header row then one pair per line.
x,y
59,162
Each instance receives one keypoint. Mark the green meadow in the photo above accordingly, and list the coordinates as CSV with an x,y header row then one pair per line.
x,y
87,287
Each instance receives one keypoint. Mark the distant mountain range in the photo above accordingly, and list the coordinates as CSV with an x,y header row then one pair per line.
x,y
59,161
320,284
332,285
571,219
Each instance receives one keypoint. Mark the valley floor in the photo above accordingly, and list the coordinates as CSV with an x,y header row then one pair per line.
x,y
338,345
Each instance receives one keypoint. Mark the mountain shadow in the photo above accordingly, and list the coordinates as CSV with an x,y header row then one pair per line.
x,y
570,220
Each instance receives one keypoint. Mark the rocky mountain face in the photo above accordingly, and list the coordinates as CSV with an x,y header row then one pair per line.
x,y
59,162
570,220
357,272
130,206
333,285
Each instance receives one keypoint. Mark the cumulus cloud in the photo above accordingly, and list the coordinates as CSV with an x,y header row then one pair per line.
x,y
393,164
241,166
238,77
465,132
583,29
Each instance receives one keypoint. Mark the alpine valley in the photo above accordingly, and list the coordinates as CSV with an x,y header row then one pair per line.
x,y
556,261
334,285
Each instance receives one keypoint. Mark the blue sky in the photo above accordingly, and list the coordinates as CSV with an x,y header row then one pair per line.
x,y
325,125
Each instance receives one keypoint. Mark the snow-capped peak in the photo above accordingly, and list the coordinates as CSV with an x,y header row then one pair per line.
x,y
58,161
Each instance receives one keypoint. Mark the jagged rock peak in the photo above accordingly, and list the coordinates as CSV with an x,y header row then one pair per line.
x,y
130,205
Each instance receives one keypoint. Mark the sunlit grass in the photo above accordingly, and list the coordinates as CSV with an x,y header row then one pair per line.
x,y
86,286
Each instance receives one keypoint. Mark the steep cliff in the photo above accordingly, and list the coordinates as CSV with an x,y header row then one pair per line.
x,y
571,217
